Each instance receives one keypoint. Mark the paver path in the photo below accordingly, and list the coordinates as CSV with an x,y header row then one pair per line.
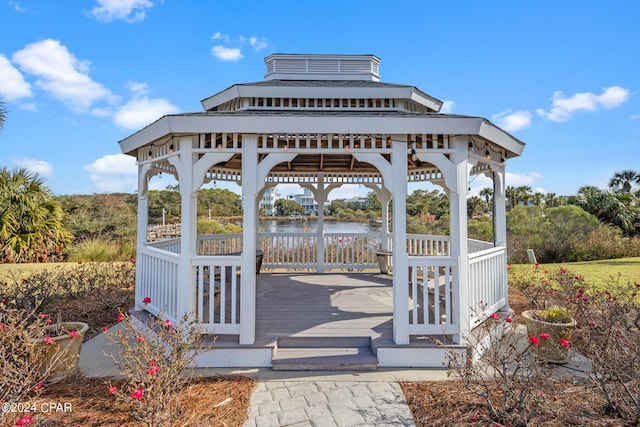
x,y
328,403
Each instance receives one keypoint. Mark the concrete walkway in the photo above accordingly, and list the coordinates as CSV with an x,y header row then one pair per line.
x,y
328,403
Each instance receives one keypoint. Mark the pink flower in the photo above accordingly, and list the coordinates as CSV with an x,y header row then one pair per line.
x,y
137,394
140,338
534,340
48,340
168,324
48,322
564,343
153,370
592,323
73,334
495,316
146,300
113,390
43,315
105,329
545,336
120,317
38,386
2,326
509,319
24,421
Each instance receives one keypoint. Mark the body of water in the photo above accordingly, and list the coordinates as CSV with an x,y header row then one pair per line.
x,y
311,226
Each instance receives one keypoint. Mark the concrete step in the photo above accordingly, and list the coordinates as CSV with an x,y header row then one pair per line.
x,y
323,342
324,354
324,359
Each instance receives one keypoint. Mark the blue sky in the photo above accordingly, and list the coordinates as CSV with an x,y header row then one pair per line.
x,y
79,76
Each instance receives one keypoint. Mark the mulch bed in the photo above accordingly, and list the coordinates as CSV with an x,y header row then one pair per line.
x,y
215,401
447,403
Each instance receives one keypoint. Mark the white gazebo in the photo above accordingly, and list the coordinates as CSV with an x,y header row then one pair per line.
x,y
323,121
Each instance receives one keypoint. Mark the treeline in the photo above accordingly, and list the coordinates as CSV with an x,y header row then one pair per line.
x,y
36,226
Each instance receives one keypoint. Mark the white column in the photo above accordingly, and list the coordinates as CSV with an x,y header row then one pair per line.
x,y
459,244
186,293
499,208
400,259
385,197
250,227
143,221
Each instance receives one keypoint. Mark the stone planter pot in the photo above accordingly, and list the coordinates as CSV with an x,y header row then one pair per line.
x,y
61,356
550,349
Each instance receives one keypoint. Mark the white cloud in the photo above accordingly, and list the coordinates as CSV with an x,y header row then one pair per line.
x,y
16,6
220,36
562,108
114,173
447,107
140,112
61,74
517,180
226,53
126,10
12,83
257,44
513,121
42,168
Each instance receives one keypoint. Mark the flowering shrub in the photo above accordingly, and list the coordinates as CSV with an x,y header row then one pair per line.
x,y
544,288
24,365
510,377
109,283
609,336
154,356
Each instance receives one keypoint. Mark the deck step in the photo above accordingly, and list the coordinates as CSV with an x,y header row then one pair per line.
x,y
324,354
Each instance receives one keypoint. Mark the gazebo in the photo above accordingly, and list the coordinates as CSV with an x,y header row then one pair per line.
x,y
323,121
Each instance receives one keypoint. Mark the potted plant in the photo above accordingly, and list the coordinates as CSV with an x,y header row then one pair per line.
x,y
554,327
60,344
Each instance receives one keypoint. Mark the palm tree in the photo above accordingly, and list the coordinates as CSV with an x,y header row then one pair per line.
x,y
622,180
487,193
3,113
609,207
31,220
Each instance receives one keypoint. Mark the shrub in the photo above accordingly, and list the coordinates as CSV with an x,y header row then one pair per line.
x,y
609,336
154,357
510,377
22,361
94,250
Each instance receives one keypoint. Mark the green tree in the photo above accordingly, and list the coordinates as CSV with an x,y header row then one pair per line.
x,y
622,181
31,220
288,207
3,113
613,208
487,194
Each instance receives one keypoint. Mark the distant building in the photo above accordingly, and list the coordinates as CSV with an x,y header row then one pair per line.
x,y
268,200
306,200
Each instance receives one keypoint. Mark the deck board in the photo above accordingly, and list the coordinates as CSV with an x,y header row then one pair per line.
x,y
323,305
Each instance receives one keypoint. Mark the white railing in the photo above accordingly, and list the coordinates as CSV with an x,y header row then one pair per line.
x,y
169,245
487,282
351,250
420,244
157,278
432,293
218,293
289,250
478,245
219,244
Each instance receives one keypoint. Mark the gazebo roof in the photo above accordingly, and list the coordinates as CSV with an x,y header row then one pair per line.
x,y
334,100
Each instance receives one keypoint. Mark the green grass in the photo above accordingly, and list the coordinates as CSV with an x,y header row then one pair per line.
x,y
23,270
599,273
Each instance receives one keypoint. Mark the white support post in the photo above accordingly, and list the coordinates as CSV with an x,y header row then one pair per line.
x,y
186,292
143,222
385,197
400,258
459,241
500,208
248,268
320,194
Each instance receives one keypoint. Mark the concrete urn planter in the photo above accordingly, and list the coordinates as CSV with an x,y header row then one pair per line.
x,y
550,349
61,351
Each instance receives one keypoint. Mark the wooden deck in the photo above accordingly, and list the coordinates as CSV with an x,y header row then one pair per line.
x,y
323,305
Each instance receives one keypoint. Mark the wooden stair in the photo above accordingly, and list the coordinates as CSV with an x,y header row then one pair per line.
x,y
324,354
